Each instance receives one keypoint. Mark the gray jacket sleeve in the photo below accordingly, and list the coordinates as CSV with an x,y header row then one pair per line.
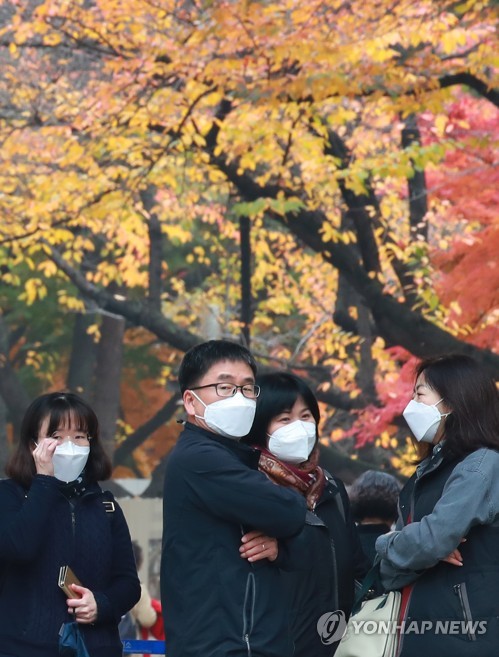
x,y
470,497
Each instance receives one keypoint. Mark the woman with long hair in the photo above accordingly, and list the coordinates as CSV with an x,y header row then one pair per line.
x,y
444,553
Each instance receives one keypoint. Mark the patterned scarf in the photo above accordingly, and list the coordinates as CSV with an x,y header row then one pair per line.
x,y
306,478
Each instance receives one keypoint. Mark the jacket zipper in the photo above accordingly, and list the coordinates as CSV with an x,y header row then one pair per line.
x,y
73,521
335,575
462,594
249,611
248,647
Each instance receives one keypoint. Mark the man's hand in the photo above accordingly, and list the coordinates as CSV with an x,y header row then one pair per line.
x,y
256,546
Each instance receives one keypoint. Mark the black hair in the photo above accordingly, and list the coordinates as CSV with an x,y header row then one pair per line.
x,y
278,392
62,409
198,360
374,495
472,396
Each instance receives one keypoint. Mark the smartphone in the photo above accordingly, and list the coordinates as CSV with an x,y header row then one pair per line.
x,y
66,578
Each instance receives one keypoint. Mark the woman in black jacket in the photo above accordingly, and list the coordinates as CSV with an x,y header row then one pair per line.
x,y
53,513
285,429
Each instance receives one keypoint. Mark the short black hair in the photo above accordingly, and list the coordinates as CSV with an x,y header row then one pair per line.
x,y
374,495
198,360
61,408
471,394
278,392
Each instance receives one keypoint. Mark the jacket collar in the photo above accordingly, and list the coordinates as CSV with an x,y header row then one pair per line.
x,y
245,453
432,462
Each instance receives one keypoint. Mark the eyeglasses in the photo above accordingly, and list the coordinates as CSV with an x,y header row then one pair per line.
x,y
229,389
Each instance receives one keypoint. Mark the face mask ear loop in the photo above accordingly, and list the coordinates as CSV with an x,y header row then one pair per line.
x,y
199,417
199,400
441,414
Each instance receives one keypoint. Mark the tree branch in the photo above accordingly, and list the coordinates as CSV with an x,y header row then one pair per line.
x,y
397,322
133,311
140,434
471,81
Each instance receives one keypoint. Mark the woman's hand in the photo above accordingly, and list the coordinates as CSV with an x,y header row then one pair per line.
x,y
43,454
455,558
256,546
84,608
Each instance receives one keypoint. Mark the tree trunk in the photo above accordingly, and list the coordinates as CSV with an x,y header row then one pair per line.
x,y
148,198
4,445
106,401
367,364
14,395
246,309
418,200
83,353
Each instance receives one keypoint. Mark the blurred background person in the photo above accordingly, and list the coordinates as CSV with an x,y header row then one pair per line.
x,y
138,622
373,500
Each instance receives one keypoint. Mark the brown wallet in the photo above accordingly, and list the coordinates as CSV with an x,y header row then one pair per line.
x,y
67,577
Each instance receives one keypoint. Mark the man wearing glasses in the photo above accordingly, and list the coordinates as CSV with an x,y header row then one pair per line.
x,y
216,603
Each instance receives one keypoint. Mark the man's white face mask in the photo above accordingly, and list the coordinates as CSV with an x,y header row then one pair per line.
x,y
231,417
423,420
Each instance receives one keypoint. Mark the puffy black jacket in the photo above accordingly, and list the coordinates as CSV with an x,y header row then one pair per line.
x,y
40,531
333,560
215,603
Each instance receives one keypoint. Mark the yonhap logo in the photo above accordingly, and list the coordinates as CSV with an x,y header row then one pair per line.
x,y
331,626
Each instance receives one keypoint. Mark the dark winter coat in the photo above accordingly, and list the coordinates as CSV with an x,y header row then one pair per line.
x,y
447,500
368,535
333,560
216,603
40,531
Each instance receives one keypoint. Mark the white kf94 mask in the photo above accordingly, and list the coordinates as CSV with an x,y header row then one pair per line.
x,y
293,442
69,460
423,420
231,417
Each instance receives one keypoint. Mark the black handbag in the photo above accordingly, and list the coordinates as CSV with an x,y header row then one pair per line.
x,y
71,642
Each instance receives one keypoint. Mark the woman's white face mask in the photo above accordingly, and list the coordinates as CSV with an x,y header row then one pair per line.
x,y
69,460
293,442
423,420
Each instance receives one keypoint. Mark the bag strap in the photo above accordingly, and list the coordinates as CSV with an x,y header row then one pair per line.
x,y
338,498
372,581
109,503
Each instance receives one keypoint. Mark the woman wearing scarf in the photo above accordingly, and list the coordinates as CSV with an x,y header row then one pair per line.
x,y
285,430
